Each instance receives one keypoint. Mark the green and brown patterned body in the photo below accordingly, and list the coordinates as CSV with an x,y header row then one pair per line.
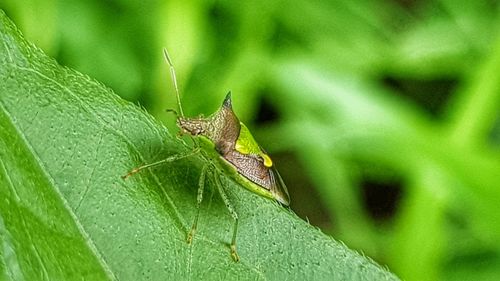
x,y
229,141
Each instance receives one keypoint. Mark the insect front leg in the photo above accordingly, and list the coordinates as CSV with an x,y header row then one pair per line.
x,y
199,198
233,213
166,160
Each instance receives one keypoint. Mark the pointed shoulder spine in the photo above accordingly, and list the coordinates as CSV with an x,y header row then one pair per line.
x,y
227,101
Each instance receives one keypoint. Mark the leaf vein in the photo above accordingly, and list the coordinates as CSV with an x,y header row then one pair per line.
x,y
49,177
176,212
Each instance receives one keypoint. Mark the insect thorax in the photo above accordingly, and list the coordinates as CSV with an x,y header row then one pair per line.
x,y
222,128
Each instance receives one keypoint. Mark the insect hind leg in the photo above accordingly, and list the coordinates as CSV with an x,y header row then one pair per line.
x,y
233,213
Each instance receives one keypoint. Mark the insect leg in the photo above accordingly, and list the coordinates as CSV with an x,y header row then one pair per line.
x,y
199,198
166,160
233,213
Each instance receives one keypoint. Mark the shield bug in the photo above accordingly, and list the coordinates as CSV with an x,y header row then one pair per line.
x,y
229,149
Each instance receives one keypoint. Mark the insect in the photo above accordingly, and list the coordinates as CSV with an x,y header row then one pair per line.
x,y
229,148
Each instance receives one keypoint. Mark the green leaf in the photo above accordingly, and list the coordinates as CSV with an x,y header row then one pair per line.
x,y
65,212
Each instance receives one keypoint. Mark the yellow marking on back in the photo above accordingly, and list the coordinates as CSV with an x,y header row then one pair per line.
x,y
246,144
267,160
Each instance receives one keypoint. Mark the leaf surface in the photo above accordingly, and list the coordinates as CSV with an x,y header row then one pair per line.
x,y
65,212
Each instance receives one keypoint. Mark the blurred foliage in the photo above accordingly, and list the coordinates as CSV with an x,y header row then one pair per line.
x,y
383,116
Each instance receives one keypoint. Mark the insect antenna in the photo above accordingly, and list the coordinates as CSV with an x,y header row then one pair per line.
x,y
177,95
174,80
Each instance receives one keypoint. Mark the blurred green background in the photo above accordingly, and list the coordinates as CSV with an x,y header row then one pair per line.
x,y
382,116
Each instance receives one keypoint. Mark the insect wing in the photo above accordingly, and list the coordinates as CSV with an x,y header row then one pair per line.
x,y
278,187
